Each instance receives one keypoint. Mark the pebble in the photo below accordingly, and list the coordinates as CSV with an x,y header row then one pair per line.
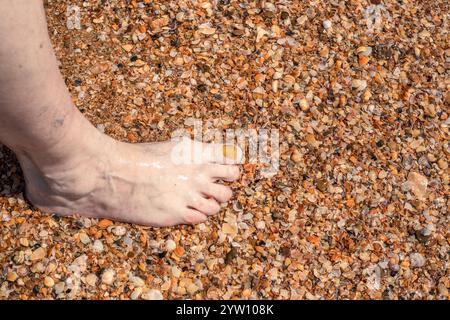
x,y
304,105
152,294
108,276
11,276
295,124
418,184
127,47
97,246
59,287
327,24
192,288
443,290
176,272
443,164
84,238
136,294
119,231
137,282
296,156
417,260
105,223
170,245
206,30
359,84
38,254
229,228
260,225
91,279
49,282
19,257
24,242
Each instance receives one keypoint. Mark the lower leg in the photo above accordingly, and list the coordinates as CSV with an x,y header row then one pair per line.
x,y
36,109
69,166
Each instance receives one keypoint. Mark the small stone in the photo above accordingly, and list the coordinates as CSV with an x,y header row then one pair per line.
x,y
152,294
97,246
49,282
204,29
19,257
443,289
231,255
192,288
418,184
364,51
11,276
382,174
304,105
24,242
417,260
108,276
327,24
260,225
170,245
359,84
137,282
50,268
363,60
101,127
38,254
311,139
442,164
295,124
105,223
364,256
127,47
322,185
210,263
296,156
324,52
159,23
84,238
91,279
139,101
431,157
119,231
277,75
275,85
136,294
59,287
180,16
229,229
38,267
176,272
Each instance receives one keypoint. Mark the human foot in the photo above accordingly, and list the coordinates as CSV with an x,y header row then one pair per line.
x,y
138,183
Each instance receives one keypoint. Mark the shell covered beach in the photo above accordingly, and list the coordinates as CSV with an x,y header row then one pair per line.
x,y
359,207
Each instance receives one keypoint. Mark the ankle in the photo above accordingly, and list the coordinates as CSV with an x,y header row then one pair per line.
x,y
76,138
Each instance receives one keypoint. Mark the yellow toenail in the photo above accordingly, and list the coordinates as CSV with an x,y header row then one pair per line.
x,y
230,151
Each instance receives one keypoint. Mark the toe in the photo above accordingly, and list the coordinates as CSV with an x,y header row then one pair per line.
x,y
219,192
205,206
224,172
223,153
192,216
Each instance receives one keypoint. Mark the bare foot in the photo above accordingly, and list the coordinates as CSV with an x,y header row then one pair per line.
x,y
137,183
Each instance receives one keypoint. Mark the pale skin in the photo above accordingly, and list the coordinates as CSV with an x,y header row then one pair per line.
x,y
72,168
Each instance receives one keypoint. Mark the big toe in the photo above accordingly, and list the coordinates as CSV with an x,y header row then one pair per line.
x,y
223,153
